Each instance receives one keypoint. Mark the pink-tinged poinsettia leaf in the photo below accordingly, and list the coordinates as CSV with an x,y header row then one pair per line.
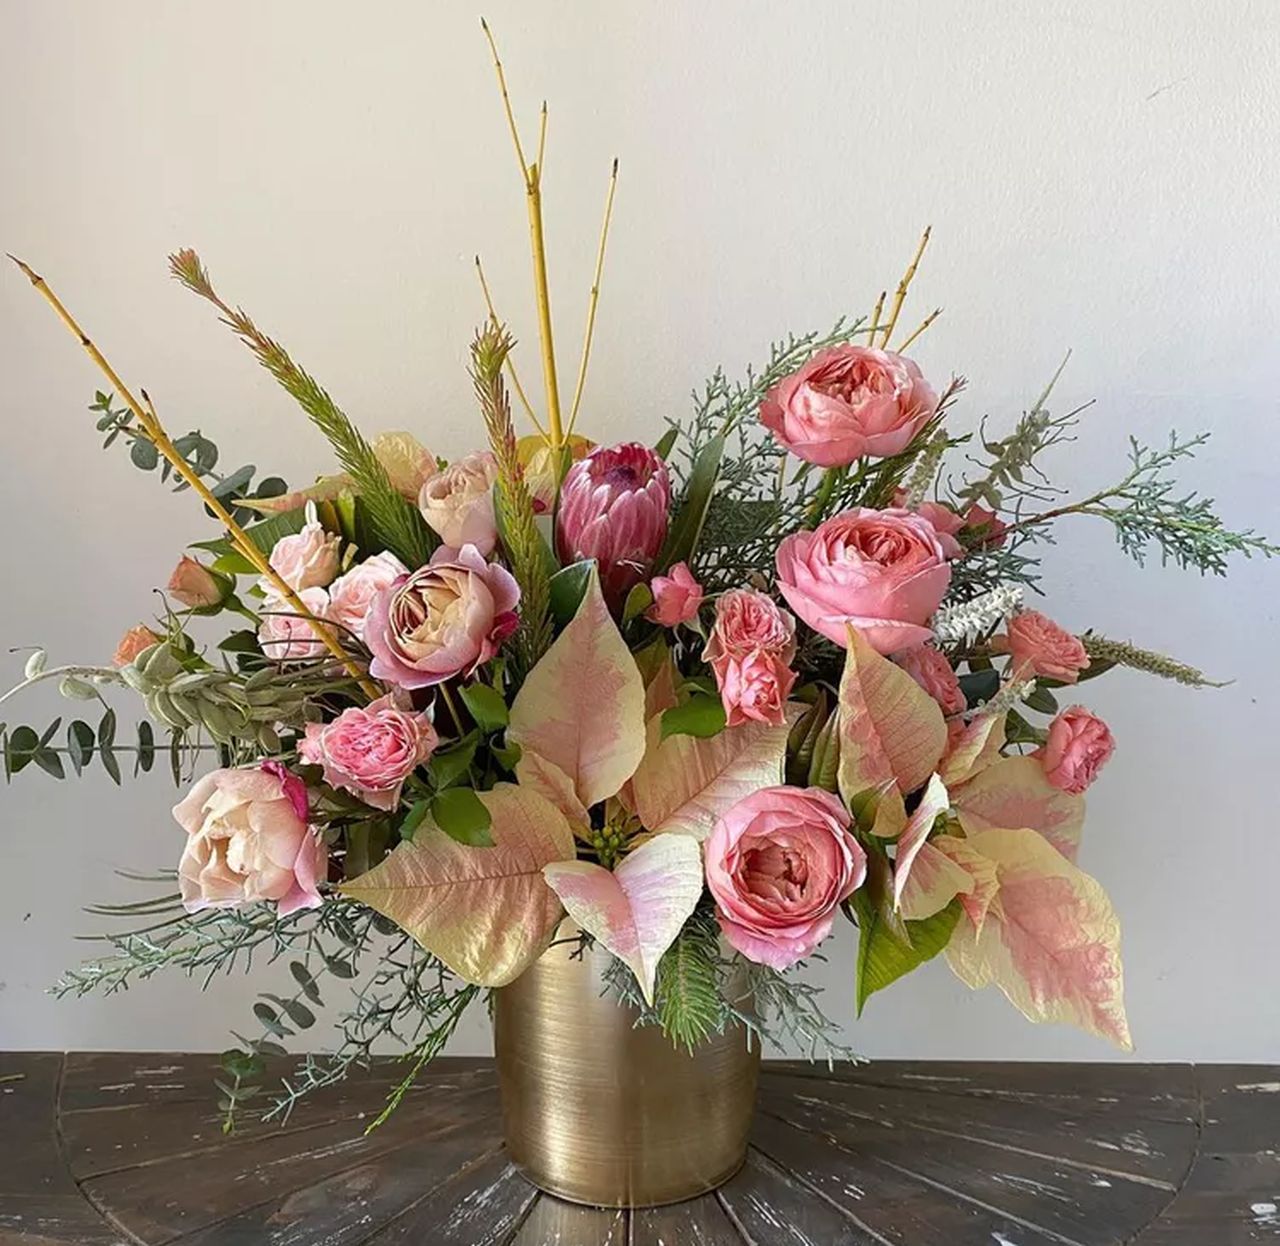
x,y
486,912
984,882
685,783
1051,940
548,780
973,749
890,727
933,801
582,706
637,909
1014,792
933,881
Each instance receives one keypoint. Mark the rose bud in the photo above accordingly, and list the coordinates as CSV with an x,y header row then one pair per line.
x,y
676,597
195,586
306,559
613,508
457,502
135,641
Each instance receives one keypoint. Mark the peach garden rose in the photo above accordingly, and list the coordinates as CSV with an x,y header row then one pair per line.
x,y
881,571
351,594
1079,745
779,863
248,841
457,502
1039,646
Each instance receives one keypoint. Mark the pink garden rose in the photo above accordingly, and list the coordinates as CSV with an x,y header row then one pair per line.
x,y
195,586
755,688
931,670
847,403
370,751
1040,647
135,641
884,572
351,594
614,508
248,841
1079,745
444,619
676,597
457,503
307,559
779,863
284,634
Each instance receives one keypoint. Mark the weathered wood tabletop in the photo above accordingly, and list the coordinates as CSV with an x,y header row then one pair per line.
x,y
99,1149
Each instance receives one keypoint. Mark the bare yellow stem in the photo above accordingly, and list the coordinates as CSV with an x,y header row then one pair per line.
x,y
511,367
594,301
904,285
928,320
542,139
146,416
506,99
875,318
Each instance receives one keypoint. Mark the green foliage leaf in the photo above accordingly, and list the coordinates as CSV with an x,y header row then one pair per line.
x,y
106,738
702,716
883,957
979,686
302,976
1042,700
486,706
449,765
270,1020
639,599
146,754
340,968
366,846
75,689
50,762
682,539
144,454
413,820
461,815
21,748
79,744
666,443
295,1010
568,587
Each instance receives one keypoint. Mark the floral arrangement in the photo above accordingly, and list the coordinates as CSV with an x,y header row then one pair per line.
x,y
706,698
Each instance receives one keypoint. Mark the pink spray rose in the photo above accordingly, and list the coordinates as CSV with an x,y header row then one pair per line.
x,y
779,862
444,619
884,572
195,586
371,750
284,634
350,595
1040,647
307,559
457,503
676,597
848,402
749,651
1079,745
613,508
248,841
931,670
135,641
755,688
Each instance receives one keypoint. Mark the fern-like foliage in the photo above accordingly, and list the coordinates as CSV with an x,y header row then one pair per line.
x,y
687,993
394,524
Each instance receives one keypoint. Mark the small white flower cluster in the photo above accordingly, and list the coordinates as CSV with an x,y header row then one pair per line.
x,y
971,618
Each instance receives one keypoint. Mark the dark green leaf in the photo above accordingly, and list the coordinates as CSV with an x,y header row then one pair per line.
x,y
452,764
234,485
701,716
50,762
486,706
413,820
461,815
506,755
241,1063
50,731
639,599
146,747
666,443
682,539
295,1010
21,749
366,846
106,738
302,976
1042,700
979,686
79,744
144,454
270,1020
340,968
240,642
568,587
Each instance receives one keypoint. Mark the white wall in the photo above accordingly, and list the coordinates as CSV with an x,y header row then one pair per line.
x,y
1099,176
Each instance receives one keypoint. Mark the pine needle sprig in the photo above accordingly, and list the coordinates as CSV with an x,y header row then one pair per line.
x,y
688,984
1102,649
394,524
523,543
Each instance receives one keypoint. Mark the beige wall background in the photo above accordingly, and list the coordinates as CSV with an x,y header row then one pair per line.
x,y
1099,176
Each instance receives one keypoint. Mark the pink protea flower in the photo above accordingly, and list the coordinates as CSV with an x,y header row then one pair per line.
x,y
613,508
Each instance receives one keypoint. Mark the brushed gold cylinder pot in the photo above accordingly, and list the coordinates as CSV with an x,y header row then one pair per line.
x,y
599,1112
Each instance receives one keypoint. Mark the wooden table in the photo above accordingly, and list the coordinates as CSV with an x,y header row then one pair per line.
x,y
102,1149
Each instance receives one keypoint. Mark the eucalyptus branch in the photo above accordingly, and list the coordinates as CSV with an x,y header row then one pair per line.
x,y
98,674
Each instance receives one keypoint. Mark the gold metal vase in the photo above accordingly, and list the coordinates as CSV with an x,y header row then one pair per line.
x,y
599,1112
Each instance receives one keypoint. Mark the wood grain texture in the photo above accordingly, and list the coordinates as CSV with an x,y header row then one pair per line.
x,y
117,1149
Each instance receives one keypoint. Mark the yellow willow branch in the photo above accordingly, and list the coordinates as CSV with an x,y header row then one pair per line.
x,y
875,319
903,286
594,300
542,138
511,367
150,424
928,320
532,177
